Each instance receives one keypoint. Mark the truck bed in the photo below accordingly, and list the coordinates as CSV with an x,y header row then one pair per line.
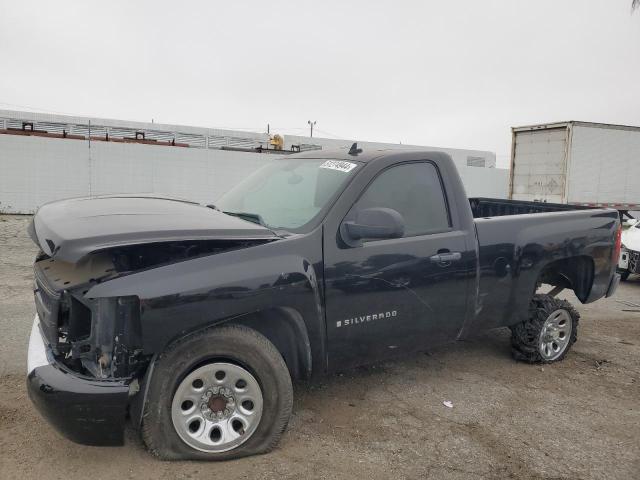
x,y
495,207
514,247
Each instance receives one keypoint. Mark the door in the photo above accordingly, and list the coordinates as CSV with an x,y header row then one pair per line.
x,y
539,165
401,294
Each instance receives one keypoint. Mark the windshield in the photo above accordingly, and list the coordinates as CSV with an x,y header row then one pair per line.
x,y
287,193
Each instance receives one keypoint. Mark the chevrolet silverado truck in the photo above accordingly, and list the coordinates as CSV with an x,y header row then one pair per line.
x,y
193,321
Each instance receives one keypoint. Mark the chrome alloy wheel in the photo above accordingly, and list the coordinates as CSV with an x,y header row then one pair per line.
x,y
555,335
217,407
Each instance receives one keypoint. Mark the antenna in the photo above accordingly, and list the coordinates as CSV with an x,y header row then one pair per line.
x,y
354,150
311,124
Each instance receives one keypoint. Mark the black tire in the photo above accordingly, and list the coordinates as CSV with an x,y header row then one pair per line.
x,y
525,336
235,344
624,275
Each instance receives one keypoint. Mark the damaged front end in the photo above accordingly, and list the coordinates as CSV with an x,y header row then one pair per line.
x,y
93,345
102,337
97,337
89,350
85,354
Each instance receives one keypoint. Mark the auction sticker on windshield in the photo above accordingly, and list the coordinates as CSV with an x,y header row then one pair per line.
x,y
339,165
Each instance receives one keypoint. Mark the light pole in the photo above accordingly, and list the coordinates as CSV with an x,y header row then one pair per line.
x,y
311,124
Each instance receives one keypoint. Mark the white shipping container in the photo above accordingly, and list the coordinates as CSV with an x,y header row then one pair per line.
x,y
577,163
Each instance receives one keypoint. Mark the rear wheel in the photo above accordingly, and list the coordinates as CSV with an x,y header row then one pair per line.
x,y
548,334
218,394
624,275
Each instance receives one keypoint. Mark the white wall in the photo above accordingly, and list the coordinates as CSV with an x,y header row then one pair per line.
x,y
36,170
485,182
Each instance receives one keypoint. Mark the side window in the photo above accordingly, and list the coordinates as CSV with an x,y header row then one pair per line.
x,y
414,190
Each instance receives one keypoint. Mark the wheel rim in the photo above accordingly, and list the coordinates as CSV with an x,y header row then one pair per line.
x,y
217,407
555,335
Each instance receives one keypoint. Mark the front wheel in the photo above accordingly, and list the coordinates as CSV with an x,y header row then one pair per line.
x,y
217,407
624,275
218,394
549,332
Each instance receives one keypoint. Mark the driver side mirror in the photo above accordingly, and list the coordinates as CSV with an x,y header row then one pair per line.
x,y
379,223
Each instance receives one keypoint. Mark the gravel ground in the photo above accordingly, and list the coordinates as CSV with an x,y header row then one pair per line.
x,y
576,419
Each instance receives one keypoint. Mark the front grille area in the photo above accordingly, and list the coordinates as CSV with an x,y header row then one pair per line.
x,y
634,261
48,308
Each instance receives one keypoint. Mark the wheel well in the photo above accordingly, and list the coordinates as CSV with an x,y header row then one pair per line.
x,y
574,273
285,328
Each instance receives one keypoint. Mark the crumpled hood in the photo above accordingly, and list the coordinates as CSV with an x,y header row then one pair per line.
x,y
631,239
70,229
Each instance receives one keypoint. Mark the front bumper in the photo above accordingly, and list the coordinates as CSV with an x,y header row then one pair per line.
x,y
83,409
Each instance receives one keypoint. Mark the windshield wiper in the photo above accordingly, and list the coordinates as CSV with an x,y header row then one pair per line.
x,y
251,217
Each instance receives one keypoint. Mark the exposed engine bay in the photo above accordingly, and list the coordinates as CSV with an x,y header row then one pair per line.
x,y
101,337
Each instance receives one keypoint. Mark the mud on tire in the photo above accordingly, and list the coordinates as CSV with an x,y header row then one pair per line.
x,y
525,336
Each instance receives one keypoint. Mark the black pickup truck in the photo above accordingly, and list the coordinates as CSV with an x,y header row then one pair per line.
x,y
194,320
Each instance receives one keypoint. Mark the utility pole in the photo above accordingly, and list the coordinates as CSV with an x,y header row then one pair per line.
x,y
311,124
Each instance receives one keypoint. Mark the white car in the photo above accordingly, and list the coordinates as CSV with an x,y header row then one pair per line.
x,y
630,254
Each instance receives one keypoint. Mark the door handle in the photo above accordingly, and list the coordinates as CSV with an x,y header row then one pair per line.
x,y
446,257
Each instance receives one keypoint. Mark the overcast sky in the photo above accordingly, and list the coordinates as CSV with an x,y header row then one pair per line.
x,y
441,73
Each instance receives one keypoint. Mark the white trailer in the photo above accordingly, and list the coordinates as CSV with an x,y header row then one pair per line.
x,y
578,163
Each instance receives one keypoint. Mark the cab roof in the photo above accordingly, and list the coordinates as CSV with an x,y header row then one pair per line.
x,y
366,155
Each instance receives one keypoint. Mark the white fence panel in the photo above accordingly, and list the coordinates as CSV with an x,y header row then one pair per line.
x,y
36,170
